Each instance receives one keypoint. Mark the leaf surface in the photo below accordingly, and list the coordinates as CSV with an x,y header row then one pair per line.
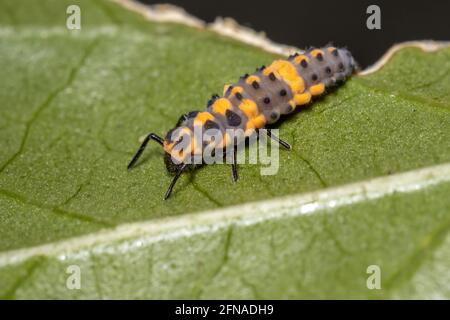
x,y
74,104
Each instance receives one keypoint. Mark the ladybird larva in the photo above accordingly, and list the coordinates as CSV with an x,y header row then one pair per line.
x,y
252,103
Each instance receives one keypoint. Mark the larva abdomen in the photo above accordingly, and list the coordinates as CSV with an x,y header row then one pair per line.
x,y
261,98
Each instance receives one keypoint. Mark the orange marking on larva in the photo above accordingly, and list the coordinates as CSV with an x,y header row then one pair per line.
x,y
249,108
168,146
331,49
270,70
178,155
292,104
252,78
298,59
302,98
202,117
317,89
237,90
179,133
288,73
315,52
259,121
221,105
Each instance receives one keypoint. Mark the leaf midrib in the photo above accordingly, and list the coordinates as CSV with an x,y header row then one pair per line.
x,y
410,181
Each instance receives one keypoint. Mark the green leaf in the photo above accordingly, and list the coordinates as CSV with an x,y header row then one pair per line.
x,y
366,183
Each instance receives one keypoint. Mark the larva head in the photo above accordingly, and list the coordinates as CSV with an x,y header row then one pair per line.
x,y
178,146
186,142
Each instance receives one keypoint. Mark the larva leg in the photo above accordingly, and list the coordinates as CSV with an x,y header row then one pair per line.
x,y
174,180
275,138
234,167
142,147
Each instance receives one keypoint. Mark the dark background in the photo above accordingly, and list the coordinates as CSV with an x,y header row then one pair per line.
x,y
303,23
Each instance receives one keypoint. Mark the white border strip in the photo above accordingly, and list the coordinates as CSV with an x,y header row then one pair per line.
x,y
135,235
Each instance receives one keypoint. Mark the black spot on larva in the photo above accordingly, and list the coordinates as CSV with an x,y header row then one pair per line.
x,y
283,92
245,76
304,63
209,124
255,84
341,66
233,118
238,95
334,52
274,115
266,100
314,77
272,76
319,57
328,70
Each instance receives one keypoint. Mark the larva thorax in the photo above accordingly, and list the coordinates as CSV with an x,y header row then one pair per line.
x,y
259,99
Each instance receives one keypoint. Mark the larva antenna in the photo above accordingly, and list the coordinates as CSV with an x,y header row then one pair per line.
x,y
138,154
